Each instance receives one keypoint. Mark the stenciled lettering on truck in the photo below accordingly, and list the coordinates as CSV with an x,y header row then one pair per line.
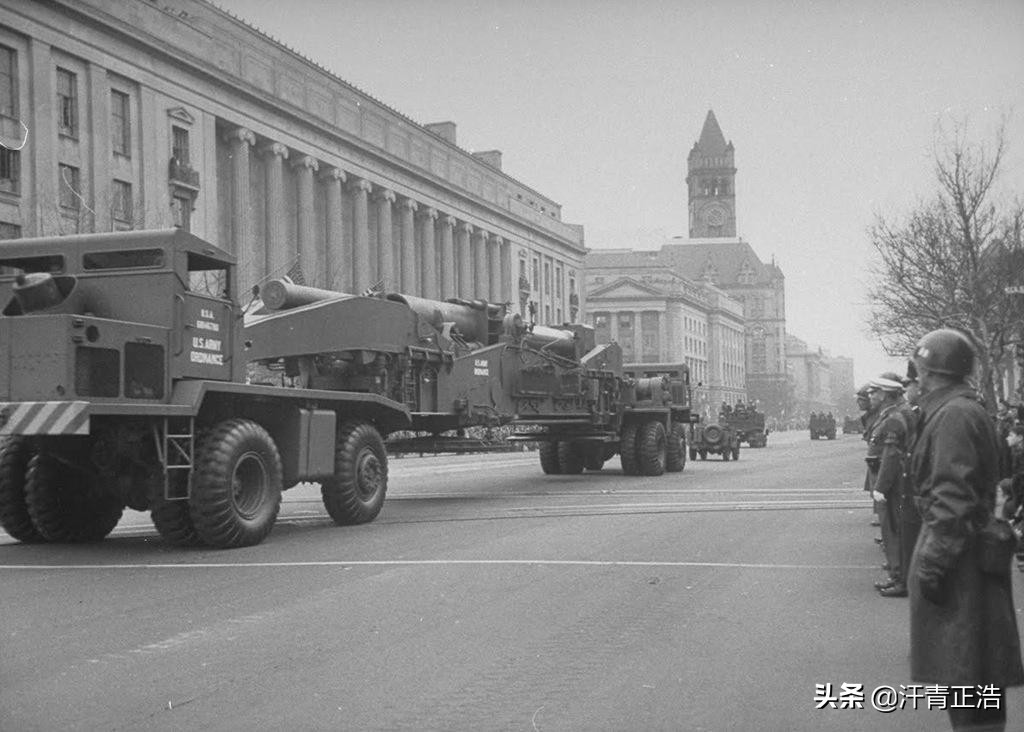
x,y
207,349
481,367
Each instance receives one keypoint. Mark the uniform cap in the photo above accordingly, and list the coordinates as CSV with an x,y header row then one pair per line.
x,y
863,391
883,384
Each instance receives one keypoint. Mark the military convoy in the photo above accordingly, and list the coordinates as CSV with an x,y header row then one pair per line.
x,y
131,377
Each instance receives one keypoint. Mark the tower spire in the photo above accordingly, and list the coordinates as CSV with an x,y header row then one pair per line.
x,y
710,180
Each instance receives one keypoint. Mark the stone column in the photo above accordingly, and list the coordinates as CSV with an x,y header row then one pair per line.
x,y
385,242
663,337
309,259
447,273
337,261
465,257
494,268
481,286
278,258
249,270
408,246
363,264
613,326
428,254
507,294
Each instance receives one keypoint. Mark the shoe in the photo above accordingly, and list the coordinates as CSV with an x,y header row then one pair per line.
x,y
874,522
878,539
885,584
897,590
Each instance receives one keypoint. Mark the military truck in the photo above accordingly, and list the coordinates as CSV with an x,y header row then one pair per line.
x,y
749,425
822,426
714,439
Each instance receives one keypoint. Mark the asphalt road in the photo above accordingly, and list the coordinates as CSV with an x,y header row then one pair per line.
x,y
486,596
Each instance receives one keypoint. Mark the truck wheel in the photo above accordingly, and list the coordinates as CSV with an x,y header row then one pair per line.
x,y
570,458
549,462
628,449
66,504
675,450
236,488
173,521
355,493
15,454
652,448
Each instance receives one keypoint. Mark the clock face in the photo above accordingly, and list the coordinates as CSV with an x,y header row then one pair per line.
x,y
714,216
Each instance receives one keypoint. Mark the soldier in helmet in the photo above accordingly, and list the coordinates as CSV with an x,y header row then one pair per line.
x,y
963,626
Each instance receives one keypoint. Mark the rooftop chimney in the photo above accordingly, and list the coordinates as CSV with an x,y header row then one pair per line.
x,y
444,130
489,157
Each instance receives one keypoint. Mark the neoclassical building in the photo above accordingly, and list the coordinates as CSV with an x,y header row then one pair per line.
x,y
658,316
120,114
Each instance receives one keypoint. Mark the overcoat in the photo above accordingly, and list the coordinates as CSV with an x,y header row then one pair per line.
x,y
970,636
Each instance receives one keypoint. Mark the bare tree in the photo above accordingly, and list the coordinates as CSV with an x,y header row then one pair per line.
x,y
949,262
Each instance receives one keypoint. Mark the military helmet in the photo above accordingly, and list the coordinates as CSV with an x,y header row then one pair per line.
x,y
945,351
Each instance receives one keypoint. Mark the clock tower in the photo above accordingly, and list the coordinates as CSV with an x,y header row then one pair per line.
x,y
710,182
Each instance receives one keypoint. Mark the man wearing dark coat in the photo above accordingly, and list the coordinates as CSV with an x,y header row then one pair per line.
x,y
890,439
963,626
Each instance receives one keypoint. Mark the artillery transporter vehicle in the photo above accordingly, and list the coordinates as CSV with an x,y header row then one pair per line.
x,y
130,377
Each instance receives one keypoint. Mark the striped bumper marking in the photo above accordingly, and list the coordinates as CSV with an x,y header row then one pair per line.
x,y
44,418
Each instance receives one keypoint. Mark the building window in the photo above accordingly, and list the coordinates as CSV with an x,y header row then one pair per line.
x,y
67,103
182,209
10,171
9,231
8,83
535,280
122,201
547,314
547,278
69,184
120,123
558,281
179,145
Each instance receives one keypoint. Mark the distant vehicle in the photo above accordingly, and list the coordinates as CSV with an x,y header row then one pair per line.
x,y
749,425
714,439
852,426
823,426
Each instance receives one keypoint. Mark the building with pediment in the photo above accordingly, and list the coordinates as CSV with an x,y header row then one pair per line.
x,y
659,316
127,115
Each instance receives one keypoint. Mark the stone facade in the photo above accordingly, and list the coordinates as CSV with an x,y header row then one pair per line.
x,y
148,115
658,316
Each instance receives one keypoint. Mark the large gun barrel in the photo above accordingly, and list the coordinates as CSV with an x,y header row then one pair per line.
x,y
555,340
283,294
470,318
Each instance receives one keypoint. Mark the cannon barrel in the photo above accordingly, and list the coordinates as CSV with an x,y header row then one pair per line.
x,y
469,317
556,340
282,294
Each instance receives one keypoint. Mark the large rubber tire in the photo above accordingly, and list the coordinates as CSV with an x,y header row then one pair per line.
x,y
628,449
355,493
236,486
173,521
15,453
549,462
712,434
652,444
67,505
570,458
675,450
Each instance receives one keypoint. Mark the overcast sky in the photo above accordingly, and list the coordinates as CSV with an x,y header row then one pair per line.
x,y
832,107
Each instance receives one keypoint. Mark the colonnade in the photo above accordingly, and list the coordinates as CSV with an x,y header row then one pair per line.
x,y
435,254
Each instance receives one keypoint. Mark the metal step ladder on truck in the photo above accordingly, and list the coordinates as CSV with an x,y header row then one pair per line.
x,y
123,373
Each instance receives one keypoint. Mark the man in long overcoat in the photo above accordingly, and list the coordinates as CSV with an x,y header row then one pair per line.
x,y
963,628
